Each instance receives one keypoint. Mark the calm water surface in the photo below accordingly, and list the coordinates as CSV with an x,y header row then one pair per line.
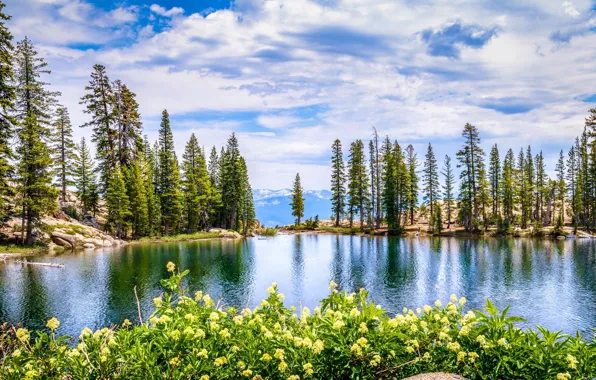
x,y
551,283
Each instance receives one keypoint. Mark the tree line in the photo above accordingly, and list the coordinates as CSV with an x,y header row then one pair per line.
x,y
145,190
499,192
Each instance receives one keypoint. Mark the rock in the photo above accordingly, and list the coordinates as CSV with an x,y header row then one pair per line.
x,y
230,234
88,245
70,239
220,230
107,243
61,242
94,242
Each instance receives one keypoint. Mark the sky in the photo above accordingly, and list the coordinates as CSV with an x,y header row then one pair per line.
x,y
290,76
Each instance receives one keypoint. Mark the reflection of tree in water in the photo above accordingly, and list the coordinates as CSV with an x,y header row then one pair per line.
x,y
400,267
297,267
357,275
337,262
34,310
435,244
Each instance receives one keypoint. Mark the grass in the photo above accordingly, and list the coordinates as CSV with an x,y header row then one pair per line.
x,y
339,230
181,237
16,249
267,232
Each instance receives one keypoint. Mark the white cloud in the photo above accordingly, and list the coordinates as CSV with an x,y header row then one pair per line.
x,y
349,63
569,9
174,11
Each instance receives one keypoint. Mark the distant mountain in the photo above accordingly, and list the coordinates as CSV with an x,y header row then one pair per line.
x,y
273,206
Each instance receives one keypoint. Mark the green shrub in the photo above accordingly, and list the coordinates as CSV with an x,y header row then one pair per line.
x,y
267,232
346,337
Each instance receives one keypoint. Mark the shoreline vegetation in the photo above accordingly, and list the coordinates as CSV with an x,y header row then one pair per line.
x,y
346,336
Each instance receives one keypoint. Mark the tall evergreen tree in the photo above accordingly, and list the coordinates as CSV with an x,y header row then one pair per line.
x,y
128,124
412,163
297,200
151,186
231,183
247,207
198,192
32,97
470,157
358,190
169,180
215,179
572,184
137,195
389,189
508,186
63,149
448,196
118,204
34,174
377,176
100,105
522,188
373,184
84,176
430,178
560,188
7,104
530,180
494,173
338,179
541,188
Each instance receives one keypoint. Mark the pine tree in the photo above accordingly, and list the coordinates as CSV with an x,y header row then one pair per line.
x,y
215,179
231,183
358,190
169,181
198,192
412,162
541,188
448,188
389,189
247,207
84,176
118,204
128,124
572,184
402,186
64,150
530,181
469,158
338,178
151,185
430,178
137,195
100,103
494,174
31,94
508,186
7,104
560,187
522,188
34,175
297,200
373,185
377,176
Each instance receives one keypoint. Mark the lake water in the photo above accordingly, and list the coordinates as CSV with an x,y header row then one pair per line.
x,y
551,283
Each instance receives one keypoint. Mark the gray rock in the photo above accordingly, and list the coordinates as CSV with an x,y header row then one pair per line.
x,y
88,245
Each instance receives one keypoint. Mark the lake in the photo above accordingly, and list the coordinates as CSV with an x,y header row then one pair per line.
x,y
549,282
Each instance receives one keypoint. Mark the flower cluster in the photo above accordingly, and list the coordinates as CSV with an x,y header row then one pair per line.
x,y
346,336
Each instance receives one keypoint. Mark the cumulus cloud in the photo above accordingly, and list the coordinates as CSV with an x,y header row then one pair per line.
x,y
291,76
569,9
159,10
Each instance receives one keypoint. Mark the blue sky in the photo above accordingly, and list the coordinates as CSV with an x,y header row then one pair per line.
x,y
290,76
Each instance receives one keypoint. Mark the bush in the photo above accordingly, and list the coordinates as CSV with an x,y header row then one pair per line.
x,y
346,337
267,232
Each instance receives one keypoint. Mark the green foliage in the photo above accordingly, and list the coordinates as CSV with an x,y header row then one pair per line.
x,y
85,179
136,191
412,163
347,337
118,204
311,224
182,237
197,188
267,232
63,150
7,102
358,185
448,196
538,229
338,179
169,178
34,174
430,180
470,158
297,203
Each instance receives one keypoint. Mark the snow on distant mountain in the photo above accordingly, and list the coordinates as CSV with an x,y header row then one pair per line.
x,y
273,206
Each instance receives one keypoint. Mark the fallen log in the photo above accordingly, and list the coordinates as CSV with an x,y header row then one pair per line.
x,y
52,265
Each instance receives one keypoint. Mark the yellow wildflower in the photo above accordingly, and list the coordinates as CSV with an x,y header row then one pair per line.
x,y
337,325
23,335
306,342
461,356
221,361
427,309
363,329
502,342
426,356
171,267
157,301
53,323
462,301
126,323
354,313
318,346
563,376
572,361
362,342
282,366
204,377
308,369
356,349
294,377
279,354
438,303
266,357
473,356
203,354
375,360
332,285
247,373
